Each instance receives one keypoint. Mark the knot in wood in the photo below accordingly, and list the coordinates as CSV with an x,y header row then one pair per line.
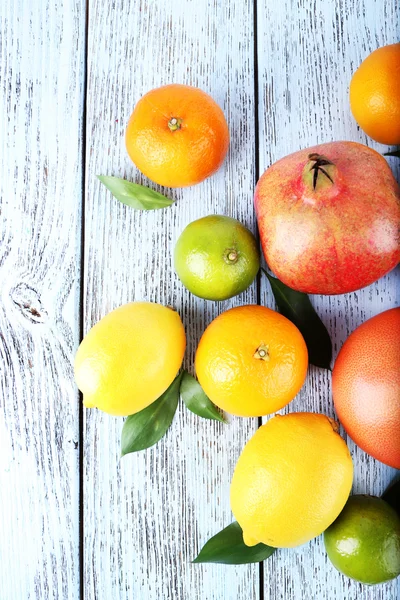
x,y
28,301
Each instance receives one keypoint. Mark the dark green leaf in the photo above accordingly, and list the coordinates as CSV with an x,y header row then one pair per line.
x,y
147,427
228,548
134,195
394,153
297,307
392,495
196,400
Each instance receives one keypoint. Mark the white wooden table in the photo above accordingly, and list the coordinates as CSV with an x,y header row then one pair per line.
x,y
75,520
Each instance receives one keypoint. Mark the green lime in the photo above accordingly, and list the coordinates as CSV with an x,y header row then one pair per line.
x,y
364,541
216,257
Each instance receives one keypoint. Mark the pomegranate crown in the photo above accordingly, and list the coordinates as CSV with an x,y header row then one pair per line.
x,y
318,167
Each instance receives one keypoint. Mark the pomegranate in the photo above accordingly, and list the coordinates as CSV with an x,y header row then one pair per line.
x,y
329,218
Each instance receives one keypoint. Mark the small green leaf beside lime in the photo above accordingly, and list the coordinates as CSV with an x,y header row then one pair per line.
x,y
196,400
147,427
297,307
227,547
134,195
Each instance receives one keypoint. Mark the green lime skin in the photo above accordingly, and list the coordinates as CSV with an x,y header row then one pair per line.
x,y
216,257
364,541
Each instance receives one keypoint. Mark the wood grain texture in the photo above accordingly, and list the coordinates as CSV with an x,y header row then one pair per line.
x,y
307,52
41,71
146,516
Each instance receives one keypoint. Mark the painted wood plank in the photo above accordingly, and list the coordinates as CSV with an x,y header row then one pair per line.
x,y
307,52
146,516
41,99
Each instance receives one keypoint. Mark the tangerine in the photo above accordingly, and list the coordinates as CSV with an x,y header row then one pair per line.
x,y
251,361
177,135
375,94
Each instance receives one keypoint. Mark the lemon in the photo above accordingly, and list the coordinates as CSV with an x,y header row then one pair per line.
x,y
130,357
291,481
364,541
216,257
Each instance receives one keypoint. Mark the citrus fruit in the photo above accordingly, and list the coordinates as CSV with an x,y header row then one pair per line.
x,y
216,257
364,541
177,135
130,357
366,386
251,361
291,481
375,94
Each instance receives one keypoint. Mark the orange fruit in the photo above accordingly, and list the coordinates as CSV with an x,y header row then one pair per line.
x,y
177,135
375,95
366,386
251,361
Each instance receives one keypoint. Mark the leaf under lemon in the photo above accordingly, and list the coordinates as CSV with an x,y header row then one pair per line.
x,y
196,400
134,195
297,307
227,547
147,427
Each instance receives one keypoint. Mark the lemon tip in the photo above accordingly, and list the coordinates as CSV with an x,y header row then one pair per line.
x,y
88,403
249,540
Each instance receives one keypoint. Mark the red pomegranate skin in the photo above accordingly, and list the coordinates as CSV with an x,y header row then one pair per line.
x,y
336,238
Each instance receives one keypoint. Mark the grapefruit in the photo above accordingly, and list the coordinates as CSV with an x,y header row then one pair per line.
x,y
366,386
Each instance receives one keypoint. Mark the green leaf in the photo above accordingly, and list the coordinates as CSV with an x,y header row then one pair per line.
x,y
196,400
137,196
392,495
297,307
147,427
394,153
227,547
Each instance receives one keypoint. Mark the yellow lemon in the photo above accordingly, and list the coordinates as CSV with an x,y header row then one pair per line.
x,y
130,357
291,481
